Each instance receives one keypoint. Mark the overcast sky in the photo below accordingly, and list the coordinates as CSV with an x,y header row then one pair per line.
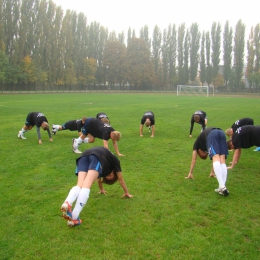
x,y
119,15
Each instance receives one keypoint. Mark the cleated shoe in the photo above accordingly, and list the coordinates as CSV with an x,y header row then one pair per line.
x,y
53,130
20,135
76,151
74,222
66,210
257,149
224,192
73,144
217,190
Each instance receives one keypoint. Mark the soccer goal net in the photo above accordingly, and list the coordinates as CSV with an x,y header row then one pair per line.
x,y
187,90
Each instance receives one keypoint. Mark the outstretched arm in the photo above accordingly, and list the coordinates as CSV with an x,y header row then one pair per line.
x,y
153,130
123,185
235,159
100,185
49,133
115,147
192,165
141,130
191,126
39,135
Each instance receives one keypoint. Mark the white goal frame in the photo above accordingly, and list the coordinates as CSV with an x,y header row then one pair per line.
x,y
180,88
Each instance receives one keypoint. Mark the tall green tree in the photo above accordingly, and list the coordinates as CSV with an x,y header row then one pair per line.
x,y
239,52
194,51
113,60
172,54
144,34
202,59
257,55
250,58
181,35
165,57
156,47
186,57
208,60
227,52
138,66
215,45
9,28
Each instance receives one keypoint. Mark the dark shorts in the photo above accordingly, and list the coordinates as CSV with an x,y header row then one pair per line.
x,y
89,162
27,122
70,125
85,129
216,143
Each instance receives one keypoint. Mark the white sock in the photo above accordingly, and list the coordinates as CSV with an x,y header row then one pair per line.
x,y
79,141
23,131
85,140
80,203
218,171
73,194
56,127
224,172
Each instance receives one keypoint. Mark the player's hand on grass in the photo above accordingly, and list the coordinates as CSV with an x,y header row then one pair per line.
x,y
103,192
141,135
121,154
190,176
127,196
190,135
40,141
152,135
212,175
51,140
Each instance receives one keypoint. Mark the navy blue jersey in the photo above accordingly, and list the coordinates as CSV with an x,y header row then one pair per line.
x,y
246,137
150,115
97,128
108,160
35,118
242,122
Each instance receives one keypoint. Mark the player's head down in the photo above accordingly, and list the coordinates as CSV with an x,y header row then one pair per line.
x,y
110,179
230,145
203,155
45,126
115,135
196,118
147,122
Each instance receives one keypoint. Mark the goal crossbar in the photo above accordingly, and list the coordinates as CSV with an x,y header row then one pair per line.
x,y
204,89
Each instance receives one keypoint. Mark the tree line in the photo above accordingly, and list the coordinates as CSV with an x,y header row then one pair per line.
x,y
44,47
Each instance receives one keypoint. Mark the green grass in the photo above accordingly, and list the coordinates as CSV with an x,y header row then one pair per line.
x,y
168,218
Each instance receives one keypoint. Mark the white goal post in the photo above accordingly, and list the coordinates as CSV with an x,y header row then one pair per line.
x,y
188,90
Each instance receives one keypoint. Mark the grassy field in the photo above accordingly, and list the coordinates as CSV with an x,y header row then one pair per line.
x,y
169,217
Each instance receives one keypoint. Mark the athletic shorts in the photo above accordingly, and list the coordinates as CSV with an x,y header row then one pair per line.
x,y
27,122
89,162
70,125
85,129
216,143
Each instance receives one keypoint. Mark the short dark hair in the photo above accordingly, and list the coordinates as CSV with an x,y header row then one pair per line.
x,y
110,182
230,144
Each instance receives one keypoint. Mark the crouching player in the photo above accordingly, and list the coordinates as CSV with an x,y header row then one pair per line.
x,y
95,163
212,142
